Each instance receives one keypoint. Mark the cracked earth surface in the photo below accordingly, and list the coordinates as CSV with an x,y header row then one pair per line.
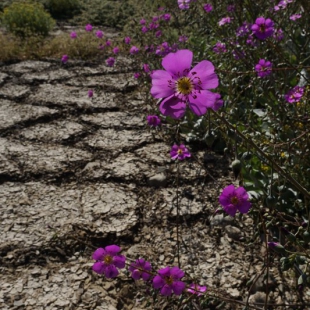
x,y
77,173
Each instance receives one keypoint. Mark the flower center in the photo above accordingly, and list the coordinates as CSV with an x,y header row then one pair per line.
x,y
108,259
184,86
169,280
262,28
180,152
234,200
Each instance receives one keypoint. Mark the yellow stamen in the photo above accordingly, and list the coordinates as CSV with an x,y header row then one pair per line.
x,y
108,259
184,86
169,280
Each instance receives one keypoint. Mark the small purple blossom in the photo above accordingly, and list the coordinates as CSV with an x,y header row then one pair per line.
x,y
168,282
196,289
155,18
282,5
64,59
90,93
127,40
180,85
142,21
136,75
219,48
244,29
88,27
158,34
179,152
263,68
163,49
153,120
108,260
140,269
153,26
208,7
294,94
225,20
146,68
134,50
108,43
73,35
184,4
233,200
110,62
183,39
295,17
144,29
99,34
218,102
115,50
230,8
166,17
263,28
278,34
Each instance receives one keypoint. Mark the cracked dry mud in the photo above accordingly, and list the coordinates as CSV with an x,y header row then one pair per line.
x,y
75,175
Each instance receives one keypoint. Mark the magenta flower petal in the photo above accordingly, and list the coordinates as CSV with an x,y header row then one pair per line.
x,y
166,290
173,107
178,63
112,249
207,77
119,261
98,254
136,274
110,272
201,103
158,281
176,272
178,287
99,267
145,276
160,86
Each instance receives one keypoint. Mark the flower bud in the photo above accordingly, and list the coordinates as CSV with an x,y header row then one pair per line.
x,y
236,167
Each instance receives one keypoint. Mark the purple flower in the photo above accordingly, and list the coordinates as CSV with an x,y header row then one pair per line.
x,y
116,50
88,27
155,18
110,62
225,20
166,17
294,94
233,200
183,39
278,34
140,269
263,28
158,34
136,75
99,34
179,152
64,59
196,289
134,50
282,4
108,261
90,93
218,103
127,40
244,29
208,7
108,43
263,68
153,26
219,48
153,120
168,281
146,68
184,4
144,29
295,17
180,85
142,21
73,35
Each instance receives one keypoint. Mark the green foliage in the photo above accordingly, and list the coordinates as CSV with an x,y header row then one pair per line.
x,y
25,19
60,9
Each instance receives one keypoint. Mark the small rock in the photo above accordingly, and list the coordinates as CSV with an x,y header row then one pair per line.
x,y
158,180
258,297
233,232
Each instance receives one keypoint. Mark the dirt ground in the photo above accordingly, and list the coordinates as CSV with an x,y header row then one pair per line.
x,y
77,173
